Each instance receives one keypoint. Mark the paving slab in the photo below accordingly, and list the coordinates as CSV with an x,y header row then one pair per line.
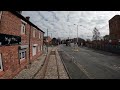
x,y
53,69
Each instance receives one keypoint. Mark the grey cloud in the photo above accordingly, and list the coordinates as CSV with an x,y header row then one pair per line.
x,y
60,23
54,14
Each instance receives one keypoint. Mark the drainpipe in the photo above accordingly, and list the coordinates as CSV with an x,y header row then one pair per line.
x,y
47,41
1,17
29,62
29,45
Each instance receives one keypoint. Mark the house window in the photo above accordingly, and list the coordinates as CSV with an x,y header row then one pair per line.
x,y
34,50
22,54
39,35
23,31
0,14
41,47
1,66
33,33
38,48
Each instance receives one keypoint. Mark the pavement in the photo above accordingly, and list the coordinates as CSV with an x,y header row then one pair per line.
x,y
47,66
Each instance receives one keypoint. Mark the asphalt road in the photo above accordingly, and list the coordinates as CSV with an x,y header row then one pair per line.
x,y
90,64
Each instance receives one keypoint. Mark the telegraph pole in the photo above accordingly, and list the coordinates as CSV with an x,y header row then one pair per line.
x,y
77,38
77,35
69,33
47,40
50,34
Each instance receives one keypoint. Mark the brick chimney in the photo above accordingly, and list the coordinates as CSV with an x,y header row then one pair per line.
x,y
28,18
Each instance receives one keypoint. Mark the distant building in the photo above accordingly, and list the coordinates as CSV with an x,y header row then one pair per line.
x,y
106,37
47,40
56,41
114,27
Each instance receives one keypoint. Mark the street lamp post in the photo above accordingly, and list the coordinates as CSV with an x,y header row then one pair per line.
x,y
77,34
69,32
77,38
51,35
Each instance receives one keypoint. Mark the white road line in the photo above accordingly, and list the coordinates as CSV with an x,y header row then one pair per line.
x,y
85,72
80,66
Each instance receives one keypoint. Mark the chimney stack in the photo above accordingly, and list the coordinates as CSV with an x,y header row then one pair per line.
x,y
28,18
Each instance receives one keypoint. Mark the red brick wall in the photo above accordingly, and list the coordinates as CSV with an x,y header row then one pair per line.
x,y
35,40
11,63
25,40
114,26
11,24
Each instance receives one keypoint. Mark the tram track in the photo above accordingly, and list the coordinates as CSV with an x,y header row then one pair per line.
x,y
73,68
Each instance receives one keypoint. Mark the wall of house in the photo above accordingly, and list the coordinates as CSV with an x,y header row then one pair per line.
x,y
12,65
35,40
114,27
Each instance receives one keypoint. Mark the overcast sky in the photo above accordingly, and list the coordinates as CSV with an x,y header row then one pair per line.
x,y
61,23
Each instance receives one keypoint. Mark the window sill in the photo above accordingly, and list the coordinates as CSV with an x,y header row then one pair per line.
x,y
22,60
1,73
34,55
23,34
1,70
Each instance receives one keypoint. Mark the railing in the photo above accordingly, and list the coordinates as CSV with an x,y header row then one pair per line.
x,y
105,47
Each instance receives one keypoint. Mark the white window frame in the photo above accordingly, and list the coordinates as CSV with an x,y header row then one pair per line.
x,y
39,35
34,32
41,47
21,55
34,53
1,64
38,48
23,28
0,14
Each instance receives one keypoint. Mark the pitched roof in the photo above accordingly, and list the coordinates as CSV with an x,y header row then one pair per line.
x,y
114,18
23,18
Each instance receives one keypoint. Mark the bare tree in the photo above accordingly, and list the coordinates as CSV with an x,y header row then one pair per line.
x,y
96,34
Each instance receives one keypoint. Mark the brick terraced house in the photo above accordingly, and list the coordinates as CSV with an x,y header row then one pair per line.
x,y
47,40
21,42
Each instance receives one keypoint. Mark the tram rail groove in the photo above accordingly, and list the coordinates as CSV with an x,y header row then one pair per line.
x,y
44,66
57,65
64,65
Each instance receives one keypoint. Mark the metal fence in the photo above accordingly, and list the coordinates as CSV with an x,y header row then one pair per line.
x,y
106,47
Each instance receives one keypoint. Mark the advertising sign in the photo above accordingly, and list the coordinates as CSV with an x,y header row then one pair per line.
x,y
6,39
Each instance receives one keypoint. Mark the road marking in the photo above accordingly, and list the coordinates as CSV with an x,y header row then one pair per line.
x,y
80,66
85,72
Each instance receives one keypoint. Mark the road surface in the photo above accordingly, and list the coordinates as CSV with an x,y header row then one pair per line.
x,y
90,64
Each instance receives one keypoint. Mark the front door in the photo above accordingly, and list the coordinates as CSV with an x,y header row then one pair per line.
x,y
34,50
1,67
